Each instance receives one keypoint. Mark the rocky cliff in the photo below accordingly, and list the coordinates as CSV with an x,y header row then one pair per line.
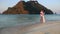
x,y
30,7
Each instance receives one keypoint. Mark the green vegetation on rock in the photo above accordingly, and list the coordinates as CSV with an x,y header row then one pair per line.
x,y
29,7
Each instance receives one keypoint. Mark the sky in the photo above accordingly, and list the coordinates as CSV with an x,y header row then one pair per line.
x,y
53,5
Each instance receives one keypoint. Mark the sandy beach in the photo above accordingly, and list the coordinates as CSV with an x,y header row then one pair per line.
x,y
40,28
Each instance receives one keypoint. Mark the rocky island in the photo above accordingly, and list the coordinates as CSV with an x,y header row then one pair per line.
x,y
29,7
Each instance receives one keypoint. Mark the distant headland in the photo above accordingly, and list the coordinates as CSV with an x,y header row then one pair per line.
x,y
29,7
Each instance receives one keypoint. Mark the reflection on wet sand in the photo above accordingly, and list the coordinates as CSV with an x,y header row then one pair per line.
x,y
46,28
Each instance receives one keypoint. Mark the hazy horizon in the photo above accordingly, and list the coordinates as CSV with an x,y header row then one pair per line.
x,y
50,4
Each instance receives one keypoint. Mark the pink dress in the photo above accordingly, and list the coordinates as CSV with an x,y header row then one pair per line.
x,y
42,19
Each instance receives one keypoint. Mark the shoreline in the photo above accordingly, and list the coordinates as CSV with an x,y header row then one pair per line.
x,y
32,29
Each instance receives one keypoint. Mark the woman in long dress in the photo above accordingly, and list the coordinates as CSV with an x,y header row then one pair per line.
x,y
42,18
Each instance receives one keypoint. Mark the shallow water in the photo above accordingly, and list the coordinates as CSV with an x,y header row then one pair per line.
x,y
24,19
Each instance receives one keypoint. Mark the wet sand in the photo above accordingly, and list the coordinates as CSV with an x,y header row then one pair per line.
x,y
39,28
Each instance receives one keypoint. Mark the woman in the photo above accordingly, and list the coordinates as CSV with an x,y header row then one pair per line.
x,y
42,19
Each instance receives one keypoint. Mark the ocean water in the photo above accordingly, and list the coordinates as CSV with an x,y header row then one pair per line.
x,y
24,19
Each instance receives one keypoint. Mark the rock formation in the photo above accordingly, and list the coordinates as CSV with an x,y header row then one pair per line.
x,y
29,7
